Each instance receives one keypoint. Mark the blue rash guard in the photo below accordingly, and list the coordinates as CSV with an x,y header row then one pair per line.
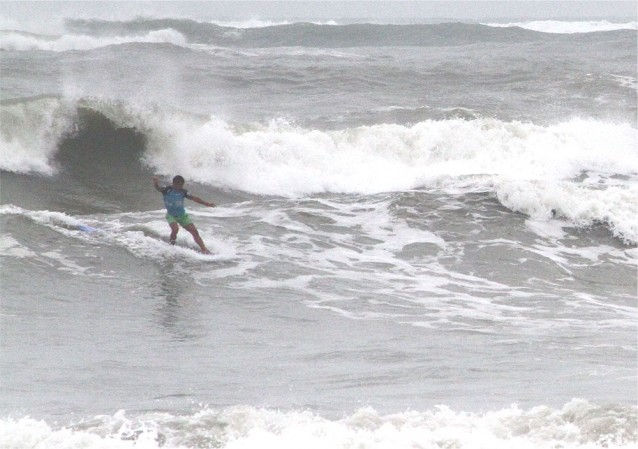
x,y
174,201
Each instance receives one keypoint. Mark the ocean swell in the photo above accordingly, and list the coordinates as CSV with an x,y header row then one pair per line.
x,y
311,34
88,34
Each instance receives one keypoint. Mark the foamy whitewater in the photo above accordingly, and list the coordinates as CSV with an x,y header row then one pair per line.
x,y
425,233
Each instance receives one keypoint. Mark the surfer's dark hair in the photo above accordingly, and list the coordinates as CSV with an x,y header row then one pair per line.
x,y
178,179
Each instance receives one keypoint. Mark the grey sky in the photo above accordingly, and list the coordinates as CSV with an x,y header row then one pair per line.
x,y
15,14
460,9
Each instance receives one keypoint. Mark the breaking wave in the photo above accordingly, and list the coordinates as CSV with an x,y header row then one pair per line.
x,y
583,170
578,424
19,41
565,27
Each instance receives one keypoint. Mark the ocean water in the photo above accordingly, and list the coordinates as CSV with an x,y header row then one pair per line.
x,y
425,233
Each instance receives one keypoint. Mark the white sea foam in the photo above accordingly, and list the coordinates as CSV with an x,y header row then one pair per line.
x,y
615,205
331,254
625,81
52,218
577,425
10,247
283,159
567,27
334,253
15,41
148,240
65,263
533,169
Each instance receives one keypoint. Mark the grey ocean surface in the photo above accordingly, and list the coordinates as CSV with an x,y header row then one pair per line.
x,y
409,216
105,330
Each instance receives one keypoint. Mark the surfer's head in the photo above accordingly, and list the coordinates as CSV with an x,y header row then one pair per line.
x,y
178,181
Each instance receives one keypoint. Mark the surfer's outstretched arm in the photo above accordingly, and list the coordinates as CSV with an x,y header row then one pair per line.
x,y
156,183
200,201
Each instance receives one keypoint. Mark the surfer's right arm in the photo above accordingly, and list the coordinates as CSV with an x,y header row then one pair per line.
x,y
156,183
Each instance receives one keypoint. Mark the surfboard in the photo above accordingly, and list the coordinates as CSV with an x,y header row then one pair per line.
x,y
178,244
189,247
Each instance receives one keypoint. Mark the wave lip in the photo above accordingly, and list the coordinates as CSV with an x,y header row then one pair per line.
x,y
30,131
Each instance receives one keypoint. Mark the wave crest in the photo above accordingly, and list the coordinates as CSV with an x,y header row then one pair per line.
x,y
19,41
30,131
566,27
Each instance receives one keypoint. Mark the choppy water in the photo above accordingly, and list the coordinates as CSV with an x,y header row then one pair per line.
x,y
425,234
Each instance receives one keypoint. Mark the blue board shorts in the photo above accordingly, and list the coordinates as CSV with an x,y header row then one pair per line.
x,y
184,219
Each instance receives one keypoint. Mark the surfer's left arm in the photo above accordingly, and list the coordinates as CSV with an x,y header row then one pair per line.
x,y
200,201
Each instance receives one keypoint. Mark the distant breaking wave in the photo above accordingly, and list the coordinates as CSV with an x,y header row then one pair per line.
x,y
91,34
305,34
19,41
258,23
562,27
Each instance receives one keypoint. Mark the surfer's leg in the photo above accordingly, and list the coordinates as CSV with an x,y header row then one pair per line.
x,y
193,230
174,230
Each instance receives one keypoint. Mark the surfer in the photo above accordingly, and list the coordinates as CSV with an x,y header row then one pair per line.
x,y
175,213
